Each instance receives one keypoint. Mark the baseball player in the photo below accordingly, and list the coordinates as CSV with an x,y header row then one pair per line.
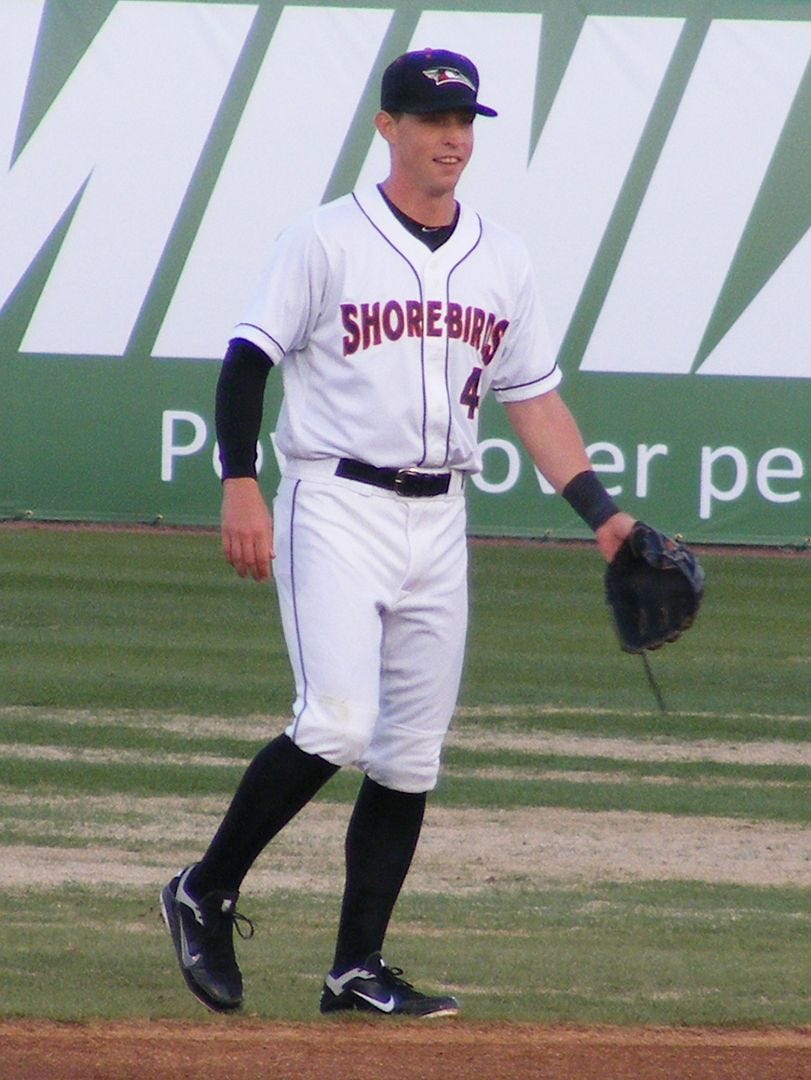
x,y
391,312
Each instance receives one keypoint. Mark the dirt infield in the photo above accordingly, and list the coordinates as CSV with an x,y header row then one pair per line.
x,y
366,1049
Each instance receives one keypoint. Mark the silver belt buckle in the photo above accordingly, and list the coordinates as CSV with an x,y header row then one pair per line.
x,y
402,478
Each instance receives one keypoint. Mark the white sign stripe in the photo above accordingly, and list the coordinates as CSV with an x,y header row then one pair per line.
x,y
700,197
291,132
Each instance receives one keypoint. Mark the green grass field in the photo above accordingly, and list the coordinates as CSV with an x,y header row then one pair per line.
x,y
586,857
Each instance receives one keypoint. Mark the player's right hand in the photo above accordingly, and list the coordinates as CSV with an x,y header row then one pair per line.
x,y
247,528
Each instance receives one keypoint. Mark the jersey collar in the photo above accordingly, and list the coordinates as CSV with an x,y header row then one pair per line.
x,y
465,236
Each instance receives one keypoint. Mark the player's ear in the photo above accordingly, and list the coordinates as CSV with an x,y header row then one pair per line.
x,y
384,122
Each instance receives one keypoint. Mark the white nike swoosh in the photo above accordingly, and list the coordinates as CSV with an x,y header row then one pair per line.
x,y
189,958
384,1006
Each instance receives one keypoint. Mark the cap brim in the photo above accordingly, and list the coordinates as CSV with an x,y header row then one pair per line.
x,y
424,110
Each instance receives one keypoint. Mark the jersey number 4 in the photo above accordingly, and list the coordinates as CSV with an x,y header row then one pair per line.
x,y
470,393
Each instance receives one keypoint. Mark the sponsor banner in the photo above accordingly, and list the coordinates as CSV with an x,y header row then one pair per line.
x,y
656,158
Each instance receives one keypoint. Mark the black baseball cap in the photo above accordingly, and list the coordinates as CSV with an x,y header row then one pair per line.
x,y
431,80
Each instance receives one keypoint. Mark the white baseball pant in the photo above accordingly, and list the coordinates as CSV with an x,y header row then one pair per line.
x,y
372,589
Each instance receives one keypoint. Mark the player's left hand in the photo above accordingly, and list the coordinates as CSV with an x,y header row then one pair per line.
x,y
653,587
610,535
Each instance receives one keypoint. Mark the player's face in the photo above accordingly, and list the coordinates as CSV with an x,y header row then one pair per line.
x,y
430,151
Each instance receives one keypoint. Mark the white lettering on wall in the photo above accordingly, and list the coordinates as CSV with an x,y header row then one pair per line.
x,y
183,434
512,471
291,131
700,197
126,131
709,489
123,138
772,338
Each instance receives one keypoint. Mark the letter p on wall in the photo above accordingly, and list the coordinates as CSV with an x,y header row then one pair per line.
x,y
708,487
171,449
779,464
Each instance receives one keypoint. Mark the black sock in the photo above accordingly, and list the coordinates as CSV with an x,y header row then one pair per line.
x,y
380,844
279,781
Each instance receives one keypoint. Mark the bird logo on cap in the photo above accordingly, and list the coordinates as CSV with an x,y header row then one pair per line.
x,y
442,75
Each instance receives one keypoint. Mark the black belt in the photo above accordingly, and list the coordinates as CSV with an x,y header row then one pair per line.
x,y
407,482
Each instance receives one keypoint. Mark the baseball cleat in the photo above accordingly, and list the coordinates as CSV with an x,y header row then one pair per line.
x,y
202,934
374,987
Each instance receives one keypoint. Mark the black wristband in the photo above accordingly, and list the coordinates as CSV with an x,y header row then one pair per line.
x,y
588,498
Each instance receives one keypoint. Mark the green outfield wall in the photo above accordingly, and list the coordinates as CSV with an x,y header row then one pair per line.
x,y
655,156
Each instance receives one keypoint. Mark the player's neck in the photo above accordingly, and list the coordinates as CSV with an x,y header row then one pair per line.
x,y
431,211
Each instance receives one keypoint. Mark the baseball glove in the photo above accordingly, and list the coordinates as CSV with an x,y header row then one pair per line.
x,y
653,587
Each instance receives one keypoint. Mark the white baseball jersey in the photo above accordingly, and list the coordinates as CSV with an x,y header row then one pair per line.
x,y
386,347
386,350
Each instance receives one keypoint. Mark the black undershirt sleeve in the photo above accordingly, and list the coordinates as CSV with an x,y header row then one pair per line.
x,y
238,407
